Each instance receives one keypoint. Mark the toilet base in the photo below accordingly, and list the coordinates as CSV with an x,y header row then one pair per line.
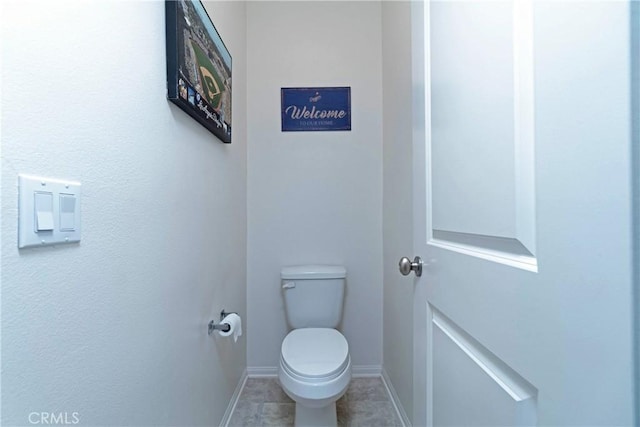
x,y
325,416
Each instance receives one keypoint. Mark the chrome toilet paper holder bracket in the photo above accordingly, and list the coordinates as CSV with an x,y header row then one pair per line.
x,y
224,327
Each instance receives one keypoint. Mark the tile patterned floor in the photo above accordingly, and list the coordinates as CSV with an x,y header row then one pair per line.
x,y
263,403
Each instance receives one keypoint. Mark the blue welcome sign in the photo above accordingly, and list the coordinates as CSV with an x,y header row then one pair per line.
x,y
316,109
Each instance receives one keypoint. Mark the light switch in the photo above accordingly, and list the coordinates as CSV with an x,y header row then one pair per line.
x,y
67,212
43,202
48,211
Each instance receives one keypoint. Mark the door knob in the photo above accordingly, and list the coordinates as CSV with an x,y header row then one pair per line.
x,y
406,266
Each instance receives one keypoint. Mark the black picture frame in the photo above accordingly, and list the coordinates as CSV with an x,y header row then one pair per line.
x,y
198,67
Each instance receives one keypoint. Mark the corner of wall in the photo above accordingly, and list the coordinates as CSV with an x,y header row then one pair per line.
x,y
398,200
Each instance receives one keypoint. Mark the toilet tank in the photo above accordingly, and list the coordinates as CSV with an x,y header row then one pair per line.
x,y
313,295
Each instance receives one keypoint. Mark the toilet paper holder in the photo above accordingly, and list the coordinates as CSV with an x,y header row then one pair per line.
x,y
224,327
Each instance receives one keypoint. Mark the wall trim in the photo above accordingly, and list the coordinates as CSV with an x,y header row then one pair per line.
x,y
395,400
234,400
357,371
262,371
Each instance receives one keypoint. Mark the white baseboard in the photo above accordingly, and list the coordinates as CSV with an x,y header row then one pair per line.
x,y
359,371
262,371
395,400
234,400
356,371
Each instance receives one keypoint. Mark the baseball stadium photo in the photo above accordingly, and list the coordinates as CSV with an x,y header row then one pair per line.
x,y
204,67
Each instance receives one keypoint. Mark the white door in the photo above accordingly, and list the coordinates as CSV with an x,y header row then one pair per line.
x,y
522,213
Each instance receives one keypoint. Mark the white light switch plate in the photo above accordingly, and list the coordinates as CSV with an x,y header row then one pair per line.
x,y
65,215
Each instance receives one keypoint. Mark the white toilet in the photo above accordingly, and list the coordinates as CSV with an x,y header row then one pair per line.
x,y
315,367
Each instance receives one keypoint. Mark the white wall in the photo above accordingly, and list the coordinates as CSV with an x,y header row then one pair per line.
x,y
397,196
115,328
314,197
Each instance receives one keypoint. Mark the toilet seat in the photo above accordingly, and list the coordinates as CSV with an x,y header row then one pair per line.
x,y
315,354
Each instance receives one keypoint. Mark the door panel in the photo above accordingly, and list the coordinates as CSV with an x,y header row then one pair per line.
x,y
481,148
462,154
522,214
474,386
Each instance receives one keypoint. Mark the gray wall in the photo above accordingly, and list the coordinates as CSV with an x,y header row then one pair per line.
x,y
115,328
397,196
314,197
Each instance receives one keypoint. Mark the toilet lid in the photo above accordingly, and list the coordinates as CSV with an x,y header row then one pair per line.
x,y
315,352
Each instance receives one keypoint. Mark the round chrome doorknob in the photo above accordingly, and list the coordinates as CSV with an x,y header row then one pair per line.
x,y
406,266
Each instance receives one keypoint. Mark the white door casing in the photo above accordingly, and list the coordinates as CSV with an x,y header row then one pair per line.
x,y
522,213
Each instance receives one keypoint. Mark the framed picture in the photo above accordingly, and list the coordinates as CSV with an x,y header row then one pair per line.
x,y
312,109
198,67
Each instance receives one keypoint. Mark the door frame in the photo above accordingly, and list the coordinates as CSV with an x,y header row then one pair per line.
x,y
421,415
635,187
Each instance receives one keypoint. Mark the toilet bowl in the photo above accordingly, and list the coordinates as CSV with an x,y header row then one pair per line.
x,y
315,370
